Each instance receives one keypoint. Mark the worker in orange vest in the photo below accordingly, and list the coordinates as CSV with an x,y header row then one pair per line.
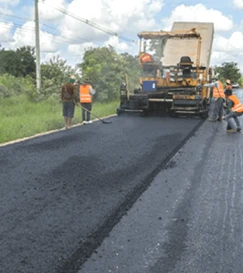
x,y
235,109
216,109
145,57
86,93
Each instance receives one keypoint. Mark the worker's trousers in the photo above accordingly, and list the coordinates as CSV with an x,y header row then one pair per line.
x,y
229,119
86,114
216,109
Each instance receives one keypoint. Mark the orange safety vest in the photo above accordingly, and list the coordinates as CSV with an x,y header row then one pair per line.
x,y
145,58
219,92
238,107
84,94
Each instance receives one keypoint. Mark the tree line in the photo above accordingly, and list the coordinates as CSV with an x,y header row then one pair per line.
x,y
103,66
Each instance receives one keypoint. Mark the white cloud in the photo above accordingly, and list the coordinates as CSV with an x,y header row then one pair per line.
x,y
25,35
5,32
238,4
236,40
124,17
118,16
232,44
79,49
10,3
228,50
69,37
49,10
119,45
199,13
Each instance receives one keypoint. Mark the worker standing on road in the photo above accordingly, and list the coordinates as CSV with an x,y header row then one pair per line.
x,y
235,109
216,109
86,93
68,94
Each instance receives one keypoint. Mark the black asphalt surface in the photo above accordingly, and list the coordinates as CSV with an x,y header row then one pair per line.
x,y
190,219
63,194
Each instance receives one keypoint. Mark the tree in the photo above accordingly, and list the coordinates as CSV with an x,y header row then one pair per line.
x,y
54,73
18,63
228,70
26,58
106,69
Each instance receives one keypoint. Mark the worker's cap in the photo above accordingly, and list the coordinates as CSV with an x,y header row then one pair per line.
x,y
227,81
228,91
72,79
87,80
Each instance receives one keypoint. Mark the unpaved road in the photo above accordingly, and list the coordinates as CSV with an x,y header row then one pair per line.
x,y
61,194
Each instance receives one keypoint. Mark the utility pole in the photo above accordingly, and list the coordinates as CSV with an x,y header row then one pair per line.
x,y
37,47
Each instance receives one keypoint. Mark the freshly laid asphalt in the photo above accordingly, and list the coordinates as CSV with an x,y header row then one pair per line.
x,y
61,194
190,220
139,195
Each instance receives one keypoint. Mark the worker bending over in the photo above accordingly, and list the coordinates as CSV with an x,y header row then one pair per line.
x,y
235,109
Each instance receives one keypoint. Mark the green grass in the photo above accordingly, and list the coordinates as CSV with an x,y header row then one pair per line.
x,y
22,118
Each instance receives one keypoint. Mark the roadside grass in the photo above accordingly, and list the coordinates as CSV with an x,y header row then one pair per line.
x,y
21,118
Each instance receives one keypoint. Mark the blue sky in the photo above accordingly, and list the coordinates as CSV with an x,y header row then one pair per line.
x,y
63,31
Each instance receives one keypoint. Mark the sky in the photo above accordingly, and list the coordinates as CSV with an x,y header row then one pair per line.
x,y
69,27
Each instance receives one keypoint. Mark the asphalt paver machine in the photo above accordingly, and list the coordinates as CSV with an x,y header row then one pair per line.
x,y
173,80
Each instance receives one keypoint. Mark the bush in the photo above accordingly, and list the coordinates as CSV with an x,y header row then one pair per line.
x,y
10,85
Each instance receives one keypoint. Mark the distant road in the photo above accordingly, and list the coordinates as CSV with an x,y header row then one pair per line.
x,y
61,194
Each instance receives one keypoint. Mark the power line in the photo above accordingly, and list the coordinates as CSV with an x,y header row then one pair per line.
x,y
14,24
77,18
48,26
90,23
58,39
11,15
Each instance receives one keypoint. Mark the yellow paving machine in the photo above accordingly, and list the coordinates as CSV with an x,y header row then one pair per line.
x,y
172,79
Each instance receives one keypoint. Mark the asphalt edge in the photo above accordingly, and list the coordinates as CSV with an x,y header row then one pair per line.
x,y
50,132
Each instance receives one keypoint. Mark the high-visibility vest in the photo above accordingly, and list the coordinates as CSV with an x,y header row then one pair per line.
x,y
238,107
84,94
219,92
145,58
